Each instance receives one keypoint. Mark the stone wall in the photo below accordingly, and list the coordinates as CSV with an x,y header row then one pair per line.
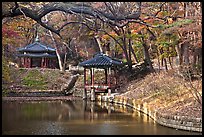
x,y
178,122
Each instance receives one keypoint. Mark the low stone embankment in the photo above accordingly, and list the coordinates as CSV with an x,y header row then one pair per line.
x,y
38,93
178,122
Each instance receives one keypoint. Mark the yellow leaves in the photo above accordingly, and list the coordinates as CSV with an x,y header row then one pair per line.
x,y
136,30
15,30
91,33
170,20
105,37
20,24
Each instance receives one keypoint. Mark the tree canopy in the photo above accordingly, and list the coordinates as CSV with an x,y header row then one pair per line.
x,y
138,30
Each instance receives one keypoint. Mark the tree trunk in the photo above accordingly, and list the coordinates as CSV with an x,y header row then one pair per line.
x,y
57,52
131,49
186,53
164,59
99,43
179,53
146,55
129,62
169,59
134,55
165,63
158,60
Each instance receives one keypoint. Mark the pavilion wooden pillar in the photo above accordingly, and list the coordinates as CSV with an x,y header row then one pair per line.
x,y
106,76
46,63
23,62
116,78
42,62
26,62
85,91
29,62
93,96
19,61
109,81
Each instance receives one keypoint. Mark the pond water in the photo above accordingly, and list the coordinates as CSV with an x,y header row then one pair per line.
x,y
78,117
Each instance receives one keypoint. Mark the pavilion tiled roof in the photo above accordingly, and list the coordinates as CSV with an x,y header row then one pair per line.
x,y
37,55
36,47
101,60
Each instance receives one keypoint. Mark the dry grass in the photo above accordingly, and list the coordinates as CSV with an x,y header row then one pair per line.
x,y
166,93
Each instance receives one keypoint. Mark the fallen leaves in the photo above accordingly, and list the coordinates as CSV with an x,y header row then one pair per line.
x,y
166,93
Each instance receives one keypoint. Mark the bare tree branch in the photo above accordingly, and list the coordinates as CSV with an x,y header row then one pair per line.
x,y
69,8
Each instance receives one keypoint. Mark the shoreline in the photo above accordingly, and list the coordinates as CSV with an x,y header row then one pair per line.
x,y
177,122
172,121
37,98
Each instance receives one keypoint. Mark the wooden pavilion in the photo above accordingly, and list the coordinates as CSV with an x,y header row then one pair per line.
x,y
106,63
37,55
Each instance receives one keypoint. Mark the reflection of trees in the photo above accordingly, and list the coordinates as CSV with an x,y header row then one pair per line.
x,y
56,116
66,110
43,110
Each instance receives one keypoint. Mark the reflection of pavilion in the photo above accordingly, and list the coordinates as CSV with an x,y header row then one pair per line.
x,y
106,63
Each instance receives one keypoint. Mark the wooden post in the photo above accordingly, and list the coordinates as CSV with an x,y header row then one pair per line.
x,y
26,62
46,63
109,81
93,97
91,75
42,61
23,64
46,66
30,63
106,77
85,92
116,78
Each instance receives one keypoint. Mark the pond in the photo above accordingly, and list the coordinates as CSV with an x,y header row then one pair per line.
x,y
78,117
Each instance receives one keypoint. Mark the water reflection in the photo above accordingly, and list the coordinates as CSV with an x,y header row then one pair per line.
x,y
78,117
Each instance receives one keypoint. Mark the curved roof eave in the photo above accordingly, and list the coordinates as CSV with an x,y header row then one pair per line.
x,y
36,47
101,61
37,55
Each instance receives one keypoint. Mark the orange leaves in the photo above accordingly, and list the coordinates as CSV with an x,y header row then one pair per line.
x,y
106,36
136,28
15,30
170,20
151,20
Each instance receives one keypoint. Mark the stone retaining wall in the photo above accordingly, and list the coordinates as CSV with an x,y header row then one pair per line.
x,y
178,122
39,93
